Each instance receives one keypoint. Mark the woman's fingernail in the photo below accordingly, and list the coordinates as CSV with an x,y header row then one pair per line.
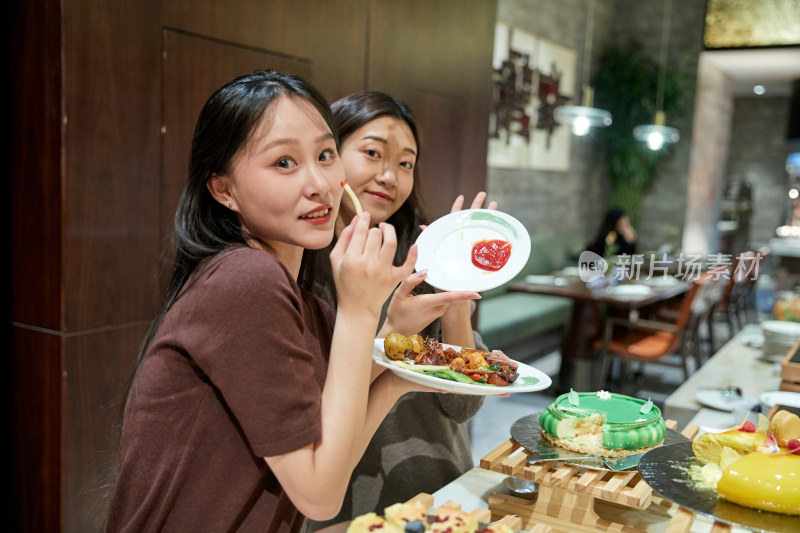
x,y
422,273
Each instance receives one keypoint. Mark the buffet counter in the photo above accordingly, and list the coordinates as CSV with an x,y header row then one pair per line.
x,y
739,363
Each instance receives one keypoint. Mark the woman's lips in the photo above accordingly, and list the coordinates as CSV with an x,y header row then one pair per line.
x,y
380,196
317,216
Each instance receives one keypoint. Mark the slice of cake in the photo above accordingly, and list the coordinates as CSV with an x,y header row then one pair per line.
x,y
452,520
741,439
766,481
603,423
371,523
401,514
757,467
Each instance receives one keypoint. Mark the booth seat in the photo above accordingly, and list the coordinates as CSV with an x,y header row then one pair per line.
x,y
507,319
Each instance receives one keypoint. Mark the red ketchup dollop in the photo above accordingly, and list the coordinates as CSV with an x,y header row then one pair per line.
x,y
491,254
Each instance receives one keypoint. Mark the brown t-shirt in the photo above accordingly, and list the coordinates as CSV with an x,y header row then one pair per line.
x,y
234,374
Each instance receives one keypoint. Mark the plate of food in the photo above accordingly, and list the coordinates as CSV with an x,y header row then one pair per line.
x,y
472,250
455,369
744,476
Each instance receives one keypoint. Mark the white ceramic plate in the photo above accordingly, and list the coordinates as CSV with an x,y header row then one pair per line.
x,y
445,249
661,281
629,290
717,399
529,380
571,271
781,329
768,399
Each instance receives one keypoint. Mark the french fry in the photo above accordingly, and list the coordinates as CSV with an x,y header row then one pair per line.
x,y
353,197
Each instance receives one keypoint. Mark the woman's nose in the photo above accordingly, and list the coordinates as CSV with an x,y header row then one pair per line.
x,y
387,176
317,181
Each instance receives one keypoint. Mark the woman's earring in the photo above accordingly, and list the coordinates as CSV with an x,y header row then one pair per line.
x,y
230,204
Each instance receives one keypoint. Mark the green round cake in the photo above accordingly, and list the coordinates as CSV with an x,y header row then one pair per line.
x,y
603,423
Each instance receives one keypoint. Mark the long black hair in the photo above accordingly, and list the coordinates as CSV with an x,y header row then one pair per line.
x,y
203,227
351,113
610,221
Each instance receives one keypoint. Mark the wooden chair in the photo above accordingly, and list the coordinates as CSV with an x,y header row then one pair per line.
x,y
652,341
737,305
706,302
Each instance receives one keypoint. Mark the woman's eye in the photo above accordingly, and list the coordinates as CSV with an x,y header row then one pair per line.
x,y
408,165
285,162
327,155
372,153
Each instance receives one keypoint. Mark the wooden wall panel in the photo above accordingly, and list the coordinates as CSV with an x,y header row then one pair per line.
x,y
331,33
96,370
111,165
36,430
36,246
441,175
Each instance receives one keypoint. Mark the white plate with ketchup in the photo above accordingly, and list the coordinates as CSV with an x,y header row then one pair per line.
x,y
473,250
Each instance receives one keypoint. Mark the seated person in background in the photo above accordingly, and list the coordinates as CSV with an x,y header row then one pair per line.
x,y
423,443
616,236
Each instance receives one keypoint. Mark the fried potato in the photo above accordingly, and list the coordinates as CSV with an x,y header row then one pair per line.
x,y
395,346
417,343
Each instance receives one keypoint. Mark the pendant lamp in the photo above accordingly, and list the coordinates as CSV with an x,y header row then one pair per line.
x,y
657,134
585,116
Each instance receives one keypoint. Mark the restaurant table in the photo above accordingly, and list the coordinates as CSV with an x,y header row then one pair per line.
x,y
576,351
738,363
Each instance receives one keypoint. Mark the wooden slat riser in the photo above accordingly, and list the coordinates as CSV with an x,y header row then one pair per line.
x,y
568,493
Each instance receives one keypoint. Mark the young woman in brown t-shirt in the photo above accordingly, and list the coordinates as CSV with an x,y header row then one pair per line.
x,y
248,407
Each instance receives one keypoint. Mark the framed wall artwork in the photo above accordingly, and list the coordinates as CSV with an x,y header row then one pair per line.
x,y
531,77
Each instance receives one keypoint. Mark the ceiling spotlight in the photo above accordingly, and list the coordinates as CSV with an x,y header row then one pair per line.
x,y
759,89
584,117
657,134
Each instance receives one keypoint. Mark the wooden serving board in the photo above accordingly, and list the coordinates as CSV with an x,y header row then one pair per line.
x,y
568,493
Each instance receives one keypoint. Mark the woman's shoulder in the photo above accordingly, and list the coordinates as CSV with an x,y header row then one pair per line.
x,y
243,267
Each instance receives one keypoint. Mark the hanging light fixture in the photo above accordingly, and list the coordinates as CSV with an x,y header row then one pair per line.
x,y
658,133
585,116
